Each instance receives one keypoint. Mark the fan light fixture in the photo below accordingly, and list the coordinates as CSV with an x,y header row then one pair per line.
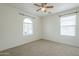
x,y
43,7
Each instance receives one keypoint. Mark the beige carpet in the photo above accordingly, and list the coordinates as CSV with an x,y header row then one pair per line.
x,y
43,48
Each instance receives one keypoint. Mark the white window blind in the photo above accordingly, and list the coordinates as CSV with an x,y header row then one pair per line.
x,y
68,25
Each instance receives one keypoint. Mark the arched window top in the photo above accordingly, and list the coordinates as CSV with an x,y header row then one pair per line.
x,y
27,20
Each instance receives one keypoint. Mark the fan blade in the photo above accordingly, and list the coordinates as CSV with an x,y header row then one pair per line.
x,y
49,7
43,4
37,5
38,9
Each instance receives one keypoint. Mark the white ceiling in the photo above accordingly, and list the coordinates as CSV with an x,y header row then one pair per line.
x,y
58,7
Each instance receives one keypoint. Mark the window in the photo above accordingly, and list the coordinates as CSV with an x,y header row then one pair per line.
x,y
27,26
68,25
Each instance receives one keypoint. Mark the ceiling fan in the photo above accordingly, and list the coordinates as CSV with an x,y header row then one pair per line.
x,y
43,7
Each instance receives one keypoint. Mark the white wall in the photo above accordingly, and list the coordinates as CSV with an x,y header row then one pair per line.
x,y
11,28
51,29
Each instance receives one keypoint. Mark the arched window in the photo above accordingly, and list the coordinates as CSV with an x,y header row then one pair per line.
x,y
27,27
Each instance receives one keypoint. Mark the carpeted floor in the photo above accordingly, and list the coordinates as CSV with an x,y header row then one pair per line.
x,y
43,48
